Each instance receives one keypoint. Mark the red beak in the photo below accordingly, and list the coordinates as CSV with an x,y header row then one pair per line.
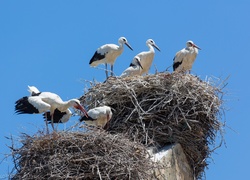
x,y
83,110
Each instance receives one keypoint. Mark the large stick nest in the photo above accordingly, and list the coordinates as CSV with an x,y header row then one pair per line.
x,y
153,110
78,155
161,109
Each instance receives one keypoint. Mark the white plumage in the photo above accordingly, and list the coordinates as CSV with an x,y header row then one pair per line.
x,y
108,53
98,116
33,90
184,59
147,57
134,68
40,102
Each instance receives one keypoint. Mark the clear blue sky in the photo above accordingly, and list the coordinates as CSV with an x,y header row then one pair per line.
x,y
49,44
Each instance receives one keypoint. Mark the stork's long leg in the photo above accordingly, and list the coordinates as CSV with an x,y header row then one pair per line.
x,y
52,121
106,67
47,128
112,67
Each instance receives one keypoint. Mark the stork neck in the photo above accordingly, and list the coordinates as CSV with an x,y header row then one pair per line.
x,y
151,48
121,45
191,49
65,104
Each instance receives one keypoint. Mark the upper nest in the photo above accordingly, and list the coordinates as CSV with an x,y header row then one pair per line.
x,y
161,109
78,155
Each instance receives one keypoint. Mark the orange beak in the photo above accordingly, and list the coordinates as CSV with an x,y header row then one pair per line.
x,y
83,110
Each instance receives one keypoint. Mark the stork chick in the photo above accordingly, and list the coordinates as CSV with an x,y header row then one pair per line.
x,y
134,68
108,53
184,59
98,116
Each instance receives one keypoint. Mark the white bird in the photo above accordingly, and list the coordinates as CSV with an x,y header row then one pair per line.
x,y
40,102
134,68
147,57
98,116
184,59
108,53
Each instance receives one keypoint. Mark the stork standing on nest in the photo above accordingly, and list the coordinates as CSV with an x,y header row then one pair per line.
x,y
108,53
40,102
147,57
184,59
134,68
98,116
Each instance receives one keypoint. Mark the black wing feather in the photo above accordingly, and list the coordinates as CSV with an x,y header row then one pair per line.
x,y
22,106
57,116
132,64
84,118
35,94
96,57
176,65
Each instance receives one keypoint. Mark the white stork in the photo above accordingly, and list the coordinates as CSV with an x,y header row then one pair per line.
x,y
146,57
133,69
40,102
184,59
108,53
98,116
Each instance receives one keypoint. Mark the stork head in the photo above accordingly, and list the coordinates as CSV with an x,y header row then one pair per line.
x,y
75,103
152,43
123,40
108,113
191,44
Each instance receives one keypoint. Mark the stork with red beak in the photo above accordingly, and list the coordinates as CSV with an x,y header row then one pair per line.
x,y
98,116
40,102
184,59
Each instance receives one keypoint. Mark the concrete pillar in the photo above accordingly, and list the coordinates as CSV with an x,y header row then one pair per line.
x,y
175,164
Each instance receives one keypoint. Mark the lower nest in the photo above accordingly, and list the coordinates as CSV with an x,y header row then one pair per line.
x,y
78,155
